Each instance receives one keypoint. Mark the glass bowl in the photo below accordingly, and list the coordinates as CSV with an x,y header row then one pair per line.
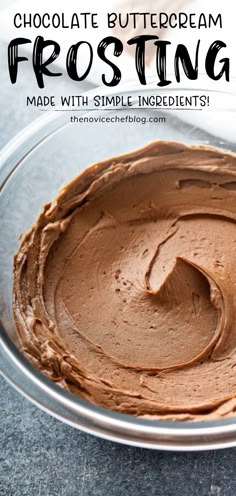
x,y
33,166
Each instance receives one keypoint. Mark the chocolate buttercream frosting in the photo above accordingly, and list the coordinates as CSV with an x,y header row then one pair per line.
x,y
125,286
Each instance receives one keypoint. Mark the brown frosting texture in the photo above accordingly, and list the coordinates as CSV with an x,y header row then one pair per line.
x,y
125,286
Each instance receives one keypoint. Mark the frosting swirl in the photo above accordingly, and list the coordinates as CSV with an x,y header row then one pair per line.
x,y
125,286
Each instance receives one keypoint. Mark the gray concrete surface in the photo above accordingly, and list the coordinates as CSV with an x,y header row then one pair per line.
x,y
39,456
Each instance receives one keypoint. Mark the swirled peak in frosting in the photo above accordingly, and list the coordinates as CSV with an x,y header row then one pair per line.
x,y
125,286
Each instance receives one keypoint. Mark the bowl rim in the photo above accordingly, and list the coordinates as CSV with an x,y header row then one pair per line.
x,y
79,413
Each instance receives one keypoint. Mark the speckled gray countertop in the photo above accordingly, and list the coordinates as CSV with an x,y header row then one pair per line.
x,y
40,456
